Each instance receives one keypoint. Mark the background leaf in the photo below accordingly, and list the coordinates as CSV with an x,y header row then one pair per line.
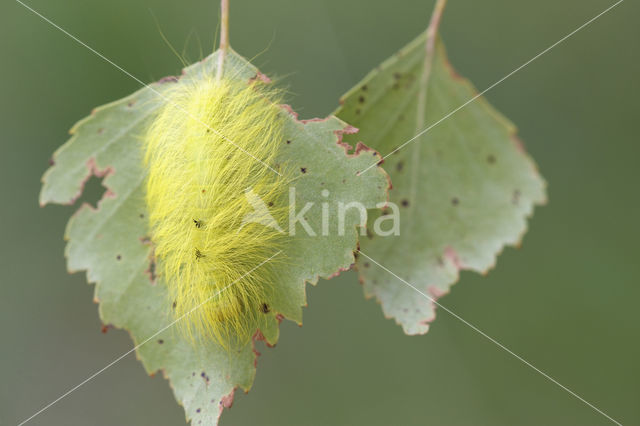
x,y
464,188
111,242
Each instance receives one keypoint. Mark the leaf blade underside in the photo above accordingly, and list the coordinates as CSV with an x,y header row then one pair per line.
x,y
464,188
111,242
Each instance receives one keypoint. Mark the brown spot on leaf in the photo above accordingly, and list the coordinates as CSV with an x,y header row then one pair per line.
x,y
516,197
169,79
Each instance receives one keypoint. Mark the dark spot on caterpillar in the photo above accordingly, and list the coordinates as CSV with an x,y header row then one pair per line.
x,y
141,215
118,257
204,190
265,308
104,329
132,103
358,111
198,410
399,166
397,75
374,153
361,99
366,264
100,130
174,304
491,159
160,341
270,204
364,87
404,203
51,161
208,130
203,375
288,142
198,223
455,201
303,169
199,254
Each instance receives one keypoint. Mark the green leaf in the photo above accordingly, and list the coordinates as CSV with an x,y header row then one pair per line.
x,y
464,188
111,242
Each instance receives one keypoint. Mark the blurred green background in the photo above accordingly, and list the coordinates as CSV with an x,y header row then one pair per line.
x,y
567,301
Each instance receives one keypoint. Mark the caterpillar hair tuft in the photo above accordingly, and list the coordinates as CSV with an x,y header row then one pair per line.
x,y
209,147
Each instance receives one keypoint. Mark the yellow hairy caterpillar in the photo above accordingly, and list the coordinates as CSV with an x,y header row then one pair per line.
x,y
210,153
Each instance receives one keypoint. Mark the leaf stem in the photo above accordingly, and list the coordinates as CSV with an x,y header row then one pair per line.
x,y
224,37
432,32
421,110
